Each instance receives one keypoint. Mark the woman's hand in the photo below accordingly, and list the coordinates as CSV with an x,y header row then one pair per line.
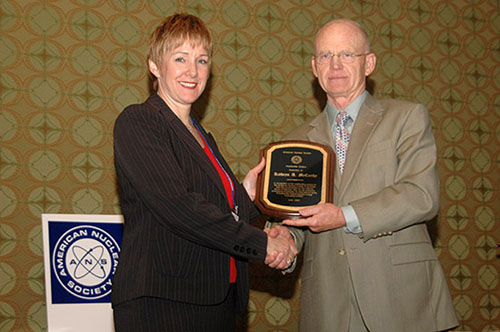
x,y
250,181
281,249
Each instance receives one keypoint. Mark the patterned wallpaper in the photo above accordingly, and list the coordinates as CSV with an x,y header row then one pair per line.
x,y
68,67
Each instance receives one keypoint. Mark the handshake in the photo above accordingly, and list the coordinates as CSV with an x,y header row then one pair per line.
x,y
281,249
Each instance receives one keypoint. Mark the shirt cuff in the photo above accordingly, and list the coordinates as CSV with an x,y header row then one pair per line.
x,y
292,266
351,219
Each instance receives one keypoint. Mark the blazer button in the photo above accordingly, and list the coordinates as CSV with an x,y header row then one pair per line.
x,y
341,252
242,249
236,247
254,252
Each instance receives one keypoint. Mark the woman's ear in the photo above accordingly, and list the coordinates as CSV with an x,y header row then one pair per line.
x,y
153,68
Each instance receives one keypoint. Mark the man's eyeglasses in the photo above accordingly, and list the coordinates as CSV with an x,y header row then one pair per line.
x,y
344,57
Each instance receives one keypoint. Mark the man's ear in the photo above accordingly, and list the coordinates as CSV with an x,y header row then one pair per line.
x,y
371,61
313,63
153,68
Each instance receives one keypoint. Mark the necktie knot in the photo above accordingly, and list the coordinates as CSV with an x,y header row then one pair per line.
x,y
342,118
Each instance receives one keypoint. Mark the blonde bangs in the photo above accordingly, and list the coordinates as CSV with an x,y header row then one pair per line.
x,y
175,31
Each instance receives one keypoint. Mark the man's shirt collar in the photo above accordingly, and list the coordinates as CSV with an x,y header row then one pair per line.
x,y
352,109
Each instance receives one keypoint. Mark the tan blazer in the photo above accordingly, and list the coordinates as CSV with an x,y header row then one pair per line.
x,y
390,179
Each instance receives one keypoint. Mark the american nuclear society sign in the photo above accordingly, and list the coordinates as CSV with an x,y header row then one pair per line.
x,y
80,254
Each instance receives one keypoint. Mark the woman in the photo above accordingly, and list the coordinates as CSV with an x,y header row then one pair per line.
x,y
187,235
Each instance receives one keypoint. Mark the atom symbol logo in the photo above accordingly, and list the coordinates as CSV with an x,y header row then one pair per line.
x,y
88,262
84,259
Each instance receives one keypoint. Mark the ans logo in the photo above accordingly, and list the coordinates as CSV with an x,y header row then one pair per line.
x,y
84,261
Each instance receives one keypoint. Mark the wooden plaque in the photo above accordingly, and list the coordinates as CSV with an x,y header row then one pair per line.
x,y
297,174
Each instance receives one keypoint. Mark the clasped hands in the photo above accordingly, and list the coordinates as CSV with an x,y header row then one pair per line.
x,y
281,249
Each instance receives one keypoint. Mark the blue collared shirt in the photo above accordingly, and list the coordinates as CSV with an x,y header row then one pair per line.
x,y
351,218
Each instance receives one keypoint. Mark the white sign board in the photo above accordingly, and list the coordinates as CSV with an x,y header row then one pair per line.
x,y
80,257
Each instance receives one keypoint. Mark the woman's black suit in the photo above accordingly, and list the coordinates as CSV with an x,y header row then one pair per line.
x,y
179,232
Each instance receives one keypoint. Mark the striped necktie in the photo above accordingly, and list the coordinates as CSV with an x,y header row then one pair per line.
x,y
341,138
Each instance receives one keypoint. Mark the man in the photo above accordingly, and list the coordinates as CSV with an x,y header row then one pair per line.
x,y
369,264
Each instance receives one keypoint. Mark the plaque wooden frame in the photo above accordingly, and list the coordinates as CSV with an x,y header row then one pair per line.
x,y
299,178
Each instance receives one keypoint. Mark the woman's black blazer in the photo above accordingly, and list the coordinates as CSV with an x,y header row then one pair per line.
x,y
179,231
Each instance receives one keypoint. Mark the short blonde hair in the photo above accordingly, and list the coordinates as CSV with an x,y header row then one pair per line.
x,y
174,31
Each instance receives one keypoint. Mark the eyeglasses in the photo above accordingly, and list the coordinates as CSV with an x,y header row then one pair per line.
x,y
344,57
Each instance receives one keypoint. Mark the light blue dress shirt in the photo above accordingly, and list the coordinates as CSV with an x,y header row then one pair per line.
x,y
351,218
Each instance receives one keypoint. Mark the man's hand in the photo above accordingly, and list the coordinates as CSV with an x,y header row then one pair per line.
x,y
319,218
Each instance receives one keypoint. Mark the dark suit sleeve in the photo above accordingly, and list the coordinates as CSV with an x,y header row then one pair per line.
x,y
155,167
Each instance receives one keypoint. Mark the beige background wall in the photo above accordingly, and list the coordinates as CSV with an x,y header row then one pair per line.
x,y
68,67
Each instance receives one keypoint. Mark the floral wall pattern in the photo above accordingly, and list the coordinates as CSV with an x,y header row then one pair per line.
x,y
69,67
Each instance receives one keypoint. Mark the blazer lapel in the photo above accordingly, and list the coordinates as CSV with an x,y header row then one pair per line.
x,y
368,118
321,133
201,157
189,142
